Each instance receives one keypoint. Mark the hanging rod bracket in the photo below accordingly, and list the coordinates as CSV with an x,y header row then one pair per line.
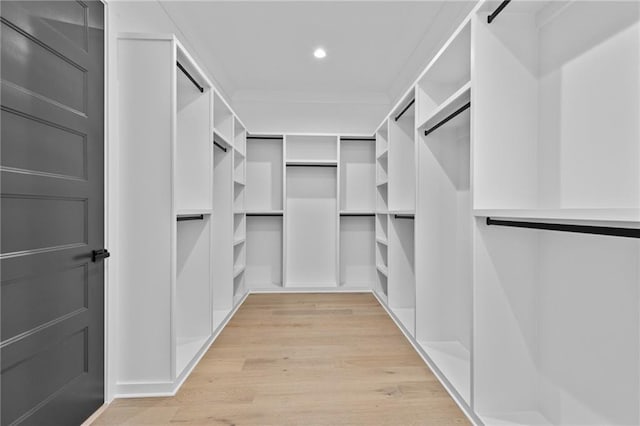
x,y
563,227
496,12
190,77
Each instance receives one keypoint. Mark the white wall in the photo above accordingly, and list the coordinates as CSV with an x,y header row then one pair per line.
x,y
266,112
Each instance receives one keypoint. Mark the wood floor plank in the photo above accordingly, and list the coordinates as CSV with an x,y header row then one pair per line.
x,y
302,359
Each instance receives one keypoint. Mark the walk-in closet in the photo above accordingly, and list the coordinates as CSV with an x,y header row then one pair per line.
x,y
309,212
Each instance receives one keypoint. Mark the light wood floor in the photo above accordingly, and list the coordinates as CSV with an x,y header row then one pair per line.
x,y
302,359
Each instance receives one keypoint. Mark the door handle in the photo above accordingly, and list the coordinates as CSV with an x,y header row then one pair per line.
x,y
101,254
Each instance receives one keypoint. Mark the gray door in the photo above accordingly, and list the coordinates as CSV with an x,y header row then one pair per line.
x,y
52,299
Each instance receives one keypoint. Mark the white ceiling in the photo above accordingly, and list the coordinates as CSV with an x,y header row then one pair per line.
x,y
263,50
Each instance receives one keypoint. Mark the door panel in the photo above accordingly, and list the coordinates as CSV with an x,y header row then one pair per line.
x,y
52,200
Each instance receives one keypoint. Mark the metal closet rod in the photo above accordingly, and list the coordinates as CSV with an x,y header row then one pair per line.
x,y
357,214
403,216
265,214
447,118
220,146
190,217
311,165
190,77
563,227
496,12
371,139
265,137
405,109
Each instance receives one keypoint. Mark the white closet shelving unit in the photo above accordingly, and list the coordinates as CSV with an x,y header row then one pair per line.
x,y
382,210
524,326
356,174
165,279
239,214
555,110
311,211
264,203
444,285
401,159
226,227
532,117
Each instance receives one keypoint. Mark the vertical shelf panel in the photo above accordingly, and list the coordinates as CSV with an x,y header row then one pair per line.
x,y
357,255
357,175
264,175
193,289
311,232
444,282
401,162
402,287
264,252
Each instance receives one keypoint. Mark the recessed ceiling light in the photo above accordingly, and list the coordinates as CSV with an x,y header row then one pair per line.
x,y
319,53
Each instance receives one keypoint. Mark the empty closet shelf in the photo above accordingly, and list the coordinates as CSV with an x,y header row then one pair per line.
x,y
185,212
221,139
238,270
603,215
460,98
383,270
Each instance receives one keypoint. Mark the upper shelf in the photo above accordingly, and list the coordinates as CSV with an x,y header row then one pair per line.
x,y
460,98
594,215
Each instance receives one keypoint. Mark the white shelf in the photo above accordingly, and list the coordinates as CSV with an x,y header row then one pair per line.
x,y
265,212
383,183
311,162
239,241
517,418
407,316
382,241
219,137
239,212
605,215
404,212
239,183
237,151
454,360
182,212
356,212
455,101
237,270
383,270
